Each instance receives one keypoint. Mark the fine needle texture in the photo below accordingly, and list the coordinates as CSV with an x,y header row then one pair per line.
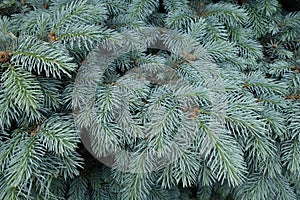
x,y
149,100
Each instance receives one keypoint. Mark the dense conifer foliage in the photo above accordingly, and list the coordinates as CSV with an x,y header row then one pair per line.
x,y
194,99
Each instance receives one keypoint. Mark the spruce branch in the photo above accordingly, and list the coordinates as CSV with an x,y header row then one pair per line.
x,y
41,57
23,90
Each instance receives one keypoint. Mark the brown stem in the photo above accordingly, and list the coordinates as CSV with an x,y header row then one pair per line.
x,y
293,97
